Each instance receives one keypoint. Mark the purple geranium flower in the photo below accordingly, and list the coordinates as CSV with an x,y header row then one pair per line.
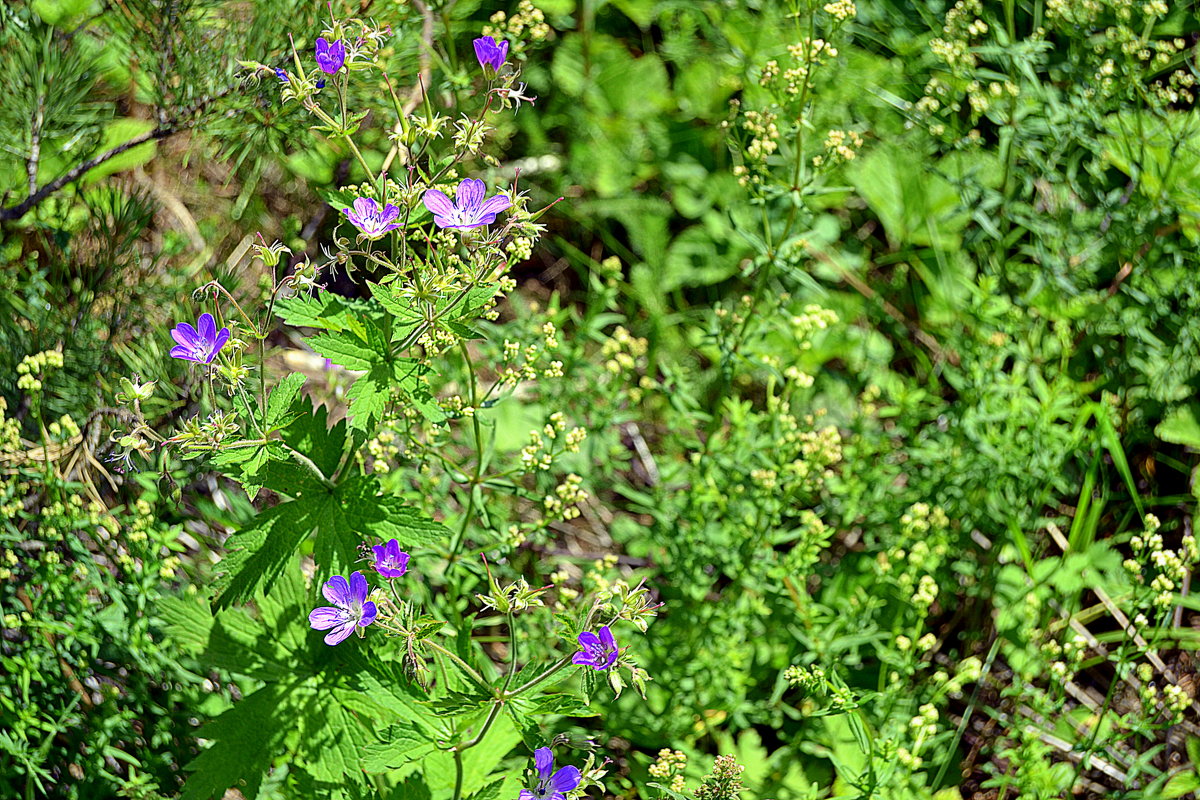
x,y
370,219
390,561
599,652
282,75
469,209
201,343
353,609
330,57
551,785
491,54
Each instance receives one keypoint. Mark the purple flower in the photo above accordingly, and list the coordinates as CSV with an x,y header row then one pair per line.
x,y
353,610
330,57
199,344
469,209
390,561
370,219
282,75
551,785
491,54
599,652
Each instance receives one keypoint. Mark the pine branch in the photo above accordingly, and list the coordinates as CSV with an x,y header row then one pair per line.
x,y
168,128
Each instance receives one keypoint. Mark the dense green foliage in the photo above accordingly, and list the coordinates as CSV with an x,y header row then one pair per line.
x,y
836,355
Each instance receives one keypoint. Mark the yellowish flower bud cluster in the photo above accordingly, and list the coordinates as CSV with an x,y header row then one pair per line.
x,y
33,368
1168,568
528,22
841,10
840,146
669,766
567,495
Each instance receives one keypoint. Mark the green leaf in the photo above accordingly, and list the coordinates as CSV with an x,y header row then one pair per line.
x,y
413,788
281,405
490,791
326,311
565,704
260,552
244,747
116,133
346,350
1181,426
400,744
1181,784
310,434
916,206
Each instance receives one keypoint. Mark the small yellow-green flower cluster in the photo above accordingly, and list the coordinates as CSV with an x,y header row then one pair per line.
x,y
1169,568
841,10
724,782
10,430
527,23
625,355
840,146
64,428
1066,657
33,368
922,728
923,528
539,455
809,680
669,766
563,504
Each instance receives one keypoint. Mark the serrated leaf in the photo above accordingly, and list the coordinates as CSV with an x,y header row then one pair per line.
x,y
281,404
187,621
564,704
369,397
326,311
490,791
244,747
413,788
346,350
400,744
310,434
260,552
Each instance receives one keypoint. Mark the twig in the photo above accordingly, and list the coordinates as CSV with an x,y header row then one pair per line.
x,y
424,71
77,172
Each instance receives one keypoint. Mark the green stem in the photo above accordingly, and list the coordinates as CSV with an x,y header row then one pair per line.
x,y
467,668
548,673
512,653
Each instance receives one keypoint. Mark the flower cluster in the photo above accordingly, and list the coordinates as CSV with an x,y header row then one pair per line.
x,y
669,766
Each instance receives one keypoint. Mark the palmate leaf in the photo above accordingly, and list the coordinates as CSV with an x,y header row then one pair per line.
x,y
368,349
317,705
245,747
342,518
311,434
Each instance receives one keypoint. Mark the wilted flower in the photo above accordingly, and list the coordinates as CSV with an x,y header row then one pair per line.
x,y
599,652
353,609
199,344
330,57
370,219
491,54
282,75
469,209
551,785
390,561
